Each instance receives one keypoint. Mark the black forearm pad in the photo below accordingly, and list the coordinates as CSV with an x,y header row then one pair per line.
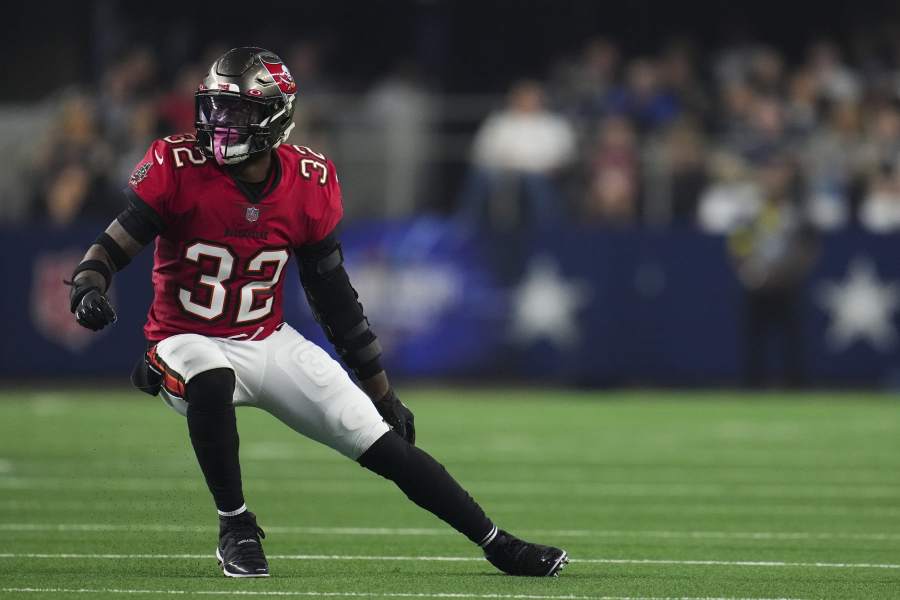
x,y
97,266
336,307
82,287
116,253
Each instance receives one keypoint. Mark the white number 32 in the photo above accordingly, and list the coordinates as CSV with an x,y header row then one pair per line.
x,y
213,280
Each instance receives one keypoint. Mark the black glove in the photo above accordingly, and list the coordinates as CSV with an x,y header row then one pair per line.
x,y
397,416
93,309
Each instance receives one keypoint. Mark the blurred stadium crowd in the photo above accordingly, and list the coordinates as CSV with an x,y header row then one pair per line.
x,y
673,138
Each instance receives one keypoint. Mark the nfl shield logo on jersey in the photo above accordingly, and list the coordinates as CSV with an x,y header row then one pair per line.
x,y
252,214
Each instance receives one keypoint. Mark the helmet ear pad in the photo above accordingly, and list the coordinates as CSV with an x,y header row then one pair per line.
x,y
285,123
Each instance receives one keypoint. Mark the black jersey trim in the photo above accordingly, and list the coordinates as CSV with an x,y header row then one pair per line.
x,y
140,219
272,182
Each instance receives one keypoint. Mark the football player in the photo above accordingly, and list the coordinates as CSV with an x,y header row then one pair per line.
x,y
227,206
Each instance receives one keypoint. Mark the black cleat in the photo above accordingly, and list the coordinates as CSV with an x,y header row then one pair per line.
x,y
240,552
518,557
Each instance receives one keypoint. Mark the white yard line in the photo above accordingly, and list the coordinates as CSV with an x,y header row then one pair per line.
x,y
607,561
441,531
47,503
360,594
568,474
374,487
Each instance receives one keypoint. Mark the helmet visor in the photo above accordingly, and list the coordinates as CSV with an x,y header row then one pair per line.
x,y
219,110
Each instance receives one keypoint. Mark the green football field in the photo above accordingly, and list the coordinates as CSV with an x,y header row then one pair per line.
x,y
654,494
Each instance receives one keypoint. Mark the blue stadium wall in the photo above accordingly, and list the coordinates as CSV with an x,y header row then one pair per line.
x,y
583,307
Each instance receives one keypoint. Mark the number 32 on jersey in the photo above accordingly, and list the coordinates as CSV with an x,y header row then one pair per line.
x,y
250,309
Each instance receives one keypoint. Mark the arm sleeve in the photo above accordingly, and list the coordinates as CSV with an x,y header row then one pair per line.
x,y
335,305
153,180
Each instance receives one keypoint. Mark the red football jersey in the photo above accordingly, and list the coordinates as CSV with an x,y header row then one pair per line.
x,y
219,264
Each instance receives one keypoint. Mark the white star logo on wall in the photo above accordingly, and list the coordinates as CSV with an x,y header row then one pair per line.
x,y
861,307
545,305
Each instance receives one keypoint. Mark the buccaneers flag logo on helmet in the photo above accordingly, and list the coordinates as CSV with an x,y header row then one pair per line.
x,y
281,76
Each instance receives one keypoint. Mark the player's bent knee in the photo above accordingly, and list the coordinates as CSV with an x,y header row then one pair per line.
x,y
214,387
188,355
182,358
387,456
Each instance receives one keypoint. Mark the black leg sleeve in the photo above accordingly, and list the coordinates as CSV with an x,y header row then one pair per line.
x,y
213,429
426,482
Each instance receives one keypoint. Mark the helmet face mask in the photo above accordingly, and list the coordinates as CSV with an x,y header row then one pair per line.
x,y
229,126
244,106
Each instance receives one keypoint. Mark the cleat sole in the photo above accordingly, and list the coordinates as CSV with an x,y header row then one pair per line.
x,y
559,565
236,575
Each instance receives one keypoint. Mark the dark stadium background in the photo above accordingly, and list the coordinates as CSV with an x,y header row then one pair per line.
x,y
654,296
633,264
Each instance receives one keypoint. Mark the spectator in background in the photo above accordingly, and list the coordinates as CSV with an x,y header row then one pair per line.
x,y
765,133
880,210
678,77
71,166
643,98
176,107
835,81
831,159
143,129
516,153
67,194
314,113
582,85
765,71
732,121
399,114
801,110
614,184
125,84
881,146
732,196
684,160
772,254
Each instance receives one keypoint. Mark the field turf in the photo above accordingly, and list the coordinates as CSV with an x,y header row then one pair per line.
x,y
654,494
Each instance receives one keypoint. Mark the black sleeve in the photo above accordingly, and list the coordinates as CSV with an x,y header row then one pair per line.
x,y
335,304
139,219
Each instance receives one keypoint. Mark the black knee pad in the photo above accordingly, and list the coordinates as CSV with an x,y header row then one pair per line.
x,y
394,458
386,456
213,388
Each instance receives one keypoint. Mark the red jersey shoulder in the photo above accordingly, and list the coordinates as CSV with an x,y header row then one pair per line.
x,y
156,177
314,184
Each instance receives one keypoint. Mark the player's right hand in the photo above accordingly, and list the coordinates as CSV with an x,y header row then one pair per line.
x,y
94,311
397,415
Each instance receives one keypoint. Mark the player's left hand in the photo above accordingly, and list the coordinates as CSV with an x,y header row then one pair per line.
x,y
397,415
94,311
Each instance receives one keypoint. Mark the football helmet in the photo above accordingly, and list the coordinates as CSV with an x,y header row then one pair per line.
x,y
244,106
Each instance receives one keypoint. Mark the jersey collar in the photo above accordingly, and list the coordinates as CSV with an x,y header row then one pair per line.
x,y
254,192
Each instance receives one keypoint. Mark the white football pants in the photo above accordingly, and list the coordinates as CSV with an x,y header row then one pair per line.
x,y
286,375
